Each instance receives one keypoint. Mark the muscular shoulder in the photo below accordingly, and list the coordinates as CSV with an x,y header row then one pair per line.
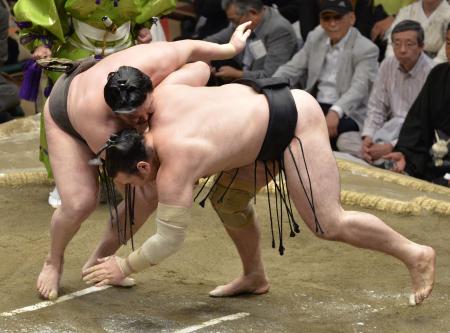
x,y
167,97
156,59
179,162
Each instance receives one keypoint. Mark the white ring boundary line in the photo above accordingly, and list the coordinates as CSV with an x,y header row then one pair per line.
x,y
45,304
94,289
213,322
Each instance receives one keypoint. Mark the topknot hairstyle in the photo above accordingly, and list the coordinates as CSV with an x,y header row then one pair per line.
x,y
126,89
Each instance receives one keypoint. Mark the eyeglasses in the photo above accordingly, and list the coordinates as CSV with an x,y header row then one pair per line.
x,y
408,45
328,18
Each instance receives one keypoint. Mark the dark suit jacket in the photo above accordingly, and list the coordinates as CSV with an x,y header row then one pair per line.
x,y
430,112
278,37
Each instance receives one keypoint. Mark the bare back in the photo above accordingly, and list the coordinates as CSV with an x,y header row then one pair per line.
x,y
215,128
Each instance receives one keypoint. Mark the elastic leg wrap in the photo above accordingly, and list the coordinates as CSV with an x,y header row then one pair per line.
x,y
236,208
171,223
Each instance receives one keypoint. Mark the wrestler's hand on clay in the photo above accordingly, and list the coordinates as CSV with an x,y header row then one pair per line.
x,y
239,37
41,52
398,159
144,36
106,272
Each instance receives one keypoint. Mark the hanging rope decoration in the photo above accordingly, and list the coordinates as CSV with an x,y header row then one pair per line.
x,y
276,174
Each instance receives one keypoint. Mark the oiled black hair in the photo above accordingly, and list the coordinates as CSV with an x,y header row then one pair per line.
x,y
127,88
127,148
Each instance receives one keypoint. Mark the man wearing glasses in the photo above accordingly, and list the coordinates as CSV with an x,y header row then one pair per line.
x,y
423,146
337,65
398,83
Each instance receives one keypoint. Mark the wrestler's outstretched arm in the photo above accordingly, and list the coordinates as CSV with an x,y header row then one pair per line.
x,y
195,50
195,74
159,59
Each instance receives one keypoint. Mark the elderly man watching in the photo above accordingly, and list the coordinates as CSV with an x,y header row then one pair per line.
x,y
433,15
398,83
337,65
422,149
272,43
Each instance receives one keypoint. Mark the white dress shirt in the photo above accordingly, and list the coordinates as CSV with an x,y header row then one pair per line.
x,y
327,92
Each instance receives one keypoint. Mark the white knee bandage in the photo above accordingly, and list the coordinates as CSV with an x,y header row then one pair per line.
x,y
171,223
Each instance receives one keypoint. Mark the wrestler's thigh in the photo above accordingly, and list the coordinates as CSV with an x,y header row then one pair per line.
x,y
320,170
76,180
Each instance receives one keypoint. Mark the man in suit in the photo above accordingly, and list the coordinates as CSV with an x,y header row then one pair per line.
x,y
272,43
338,66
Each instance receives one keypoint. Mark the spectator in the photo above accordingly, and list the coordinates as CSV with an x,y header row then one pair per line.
x,y
433,15
271,44
337,65
428,118
9,98
398,83
373,17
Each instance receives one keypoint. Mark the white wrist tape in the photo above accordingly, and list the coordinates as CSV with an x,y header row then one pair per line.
x,y
171,223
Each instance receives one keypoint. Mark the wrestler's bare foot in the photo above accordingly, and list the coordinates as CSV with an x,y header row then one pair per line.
x,y
249,284
48,280
422,274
